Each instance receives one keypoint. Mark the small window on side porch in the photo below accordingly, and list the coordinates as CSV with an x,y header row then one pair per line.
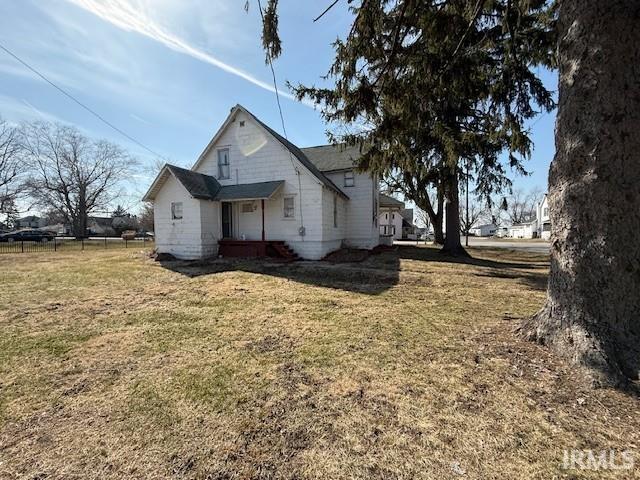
x,y
176,210
289,207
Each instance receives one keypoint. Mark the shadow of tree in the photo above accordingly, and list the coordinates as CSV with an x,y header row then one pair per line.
x,y
520,266
372,276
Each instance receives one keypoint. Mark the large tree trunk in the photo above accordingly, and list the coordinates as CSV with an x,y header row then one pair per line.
x,y
435,212
592,312
438,232
452,245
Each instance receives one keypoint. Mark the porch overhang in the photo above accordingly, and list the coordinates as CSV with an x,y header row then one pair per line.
x,y
249,191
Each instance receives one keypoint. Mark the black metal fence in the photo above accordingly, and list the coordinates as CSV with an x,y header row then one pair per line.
x,y
71,244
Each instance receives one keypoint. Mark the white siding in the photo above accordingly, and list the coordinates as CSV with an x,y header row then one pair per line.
x,y
211,230
391,217
181,238
361,230
255,156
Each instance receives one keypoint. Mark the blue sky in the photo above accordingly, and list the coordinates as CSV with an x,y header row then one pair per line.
x,y
168,71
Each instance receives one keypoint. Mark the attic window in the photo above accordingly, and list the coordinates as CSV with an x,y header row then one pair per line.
x,y
242,123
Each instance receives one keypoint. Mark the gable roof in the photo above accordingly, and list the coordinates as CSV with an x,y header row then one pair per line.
x,y
333,157
389,202
293,149
197,184
206,187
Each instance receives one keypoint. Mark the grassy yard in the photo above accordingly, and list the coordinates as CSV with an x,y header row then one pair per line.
x,y
402,366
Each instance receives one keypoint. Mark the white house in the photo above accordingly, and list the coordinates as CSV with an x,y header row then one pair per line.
x,y
390,218
252,192
523,230
486,230
543,220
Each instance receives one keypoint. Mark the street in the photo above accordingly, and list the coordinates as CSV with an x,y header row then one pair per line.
x,y
537,246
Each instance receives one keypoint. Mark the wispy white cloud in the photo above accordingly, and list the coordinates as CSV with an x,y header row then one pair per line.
x,y
124,15
139,119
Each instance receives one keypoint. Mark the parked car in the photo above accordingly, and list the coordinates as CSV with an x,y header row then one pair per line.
x,y
27,236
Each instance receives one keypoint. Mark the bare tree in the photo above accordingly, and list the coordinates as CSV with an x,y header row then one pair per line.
x,y
11,168
496,213
73,174
146,217
521,205
468,218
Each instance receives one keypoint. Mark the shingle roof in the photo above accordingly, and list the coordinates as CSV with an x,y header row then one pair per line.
x,y
332,157
198,185
249,190
206,187
387,201
299,154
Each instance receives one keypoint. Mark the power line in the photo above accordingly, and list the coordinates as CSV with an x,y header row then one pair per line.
x,y
67,94
284,129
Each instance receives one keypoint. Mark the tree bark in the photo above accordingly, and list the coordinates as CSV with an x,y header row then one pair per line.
x,y
592,311
452,245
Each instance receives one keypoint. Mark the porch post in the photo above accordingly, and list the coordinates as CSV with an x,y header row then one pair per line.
x,y
262,204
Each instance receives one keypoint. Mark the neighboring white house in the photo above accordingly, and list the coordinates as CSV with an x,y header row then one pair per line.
x,y
486,230
251,189
538,227
32,221
523,230
543,220
390,218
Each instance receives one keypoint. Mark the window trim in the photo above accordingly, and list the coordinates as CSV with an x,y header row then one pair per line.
x,y
349,175
173,211
335,211
293,207
228,164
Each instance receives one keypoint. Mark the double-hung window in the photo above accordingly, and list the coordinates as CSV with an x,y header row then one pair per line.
x,y
223,163
289,207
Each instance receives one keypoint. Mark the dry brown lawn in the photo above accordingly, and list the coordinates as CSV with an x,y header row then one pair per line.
x,y
404,365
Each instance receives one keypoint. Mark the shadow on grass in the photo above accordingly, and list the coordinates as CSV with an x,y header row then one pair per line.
x,y
372,276
520,269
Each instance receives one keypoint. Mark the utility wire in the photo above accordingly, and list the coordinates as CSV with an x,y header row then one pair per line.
x,y
92,112
284,129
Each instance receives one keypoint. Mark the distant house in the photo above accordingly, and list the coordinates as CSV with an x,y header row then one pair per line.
x,y
523,230
486,230
537,224
544,222
409,230
391,217
502,232
61,229
32,221
100,226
